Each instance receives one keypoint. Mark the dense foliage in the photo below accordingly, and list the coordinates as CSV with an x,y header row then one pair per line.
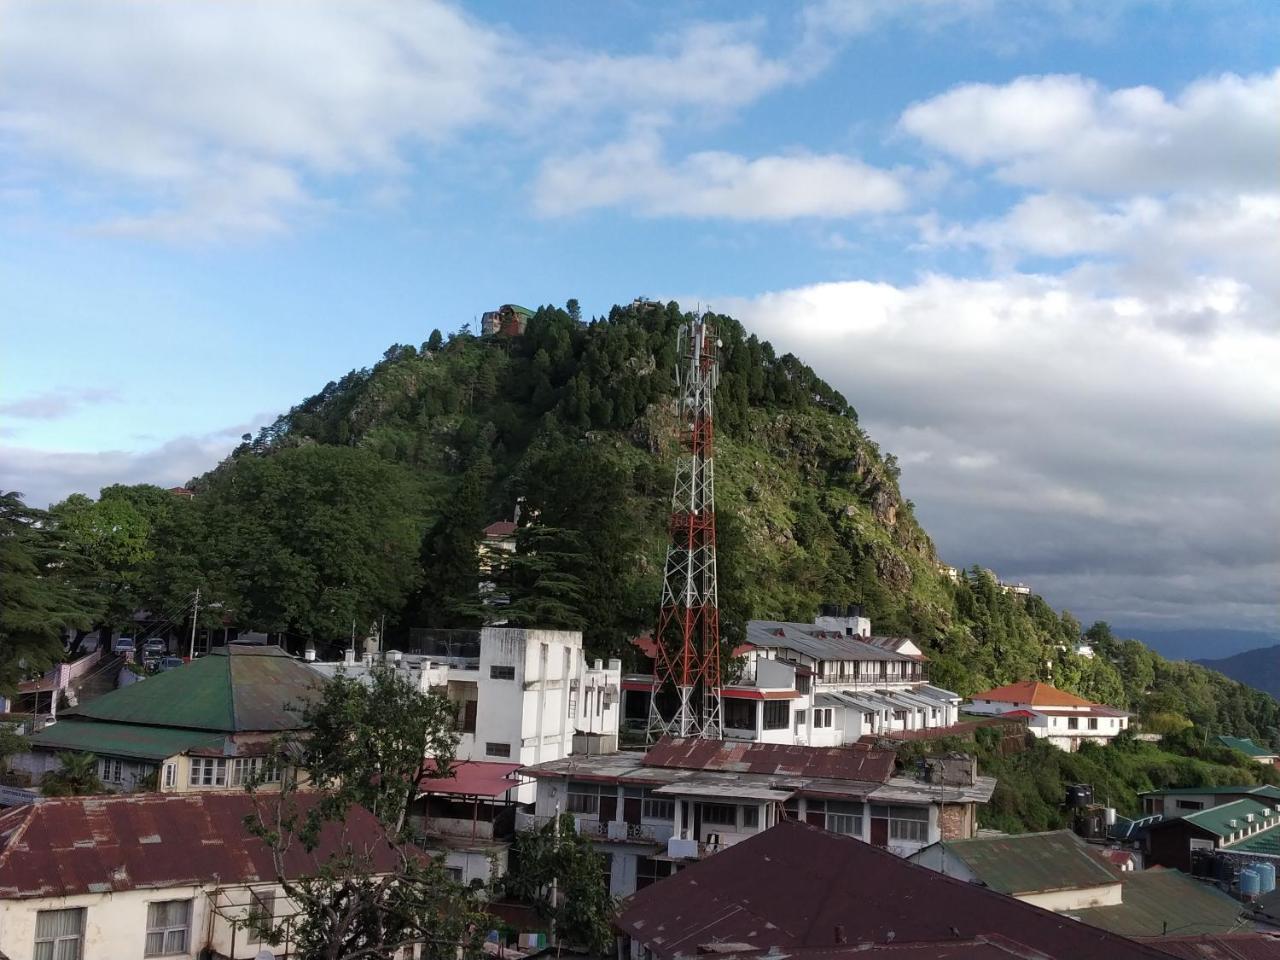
x,y
368,499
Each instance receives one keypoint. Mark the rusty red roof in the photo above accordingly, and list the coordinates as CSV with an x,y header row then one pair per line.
x,y
796,886
500,529
474,778
855,762
78,845
1222,946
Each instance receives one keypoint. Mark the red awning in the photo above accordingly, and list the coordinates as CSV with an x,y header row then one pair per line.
x,y
474,779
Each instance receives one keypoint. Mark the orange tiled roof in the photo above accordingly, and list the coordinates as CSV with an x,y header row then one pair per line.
x,y
1032,692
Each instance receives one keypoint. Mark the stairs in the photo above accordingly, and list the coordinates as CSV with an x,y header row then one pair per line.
x,y
101,680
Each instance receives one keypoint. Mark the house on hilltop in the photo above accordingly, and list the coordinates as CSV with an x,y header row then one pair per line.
x,y
206,725
1254,751
1062,718
509,320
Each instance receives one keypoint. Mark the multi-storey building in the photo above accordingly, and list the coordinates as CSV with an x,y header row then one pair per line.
x,y
689,798
1062,718
826,683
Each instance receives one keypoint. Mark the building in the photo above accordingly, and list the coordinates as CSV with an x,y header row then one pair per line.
x,y
1054,870
1096,885
102,878
818,684
524,696
1179,801
1062,718
509,320
690,798
1254,751
206,725
797,890
1242,830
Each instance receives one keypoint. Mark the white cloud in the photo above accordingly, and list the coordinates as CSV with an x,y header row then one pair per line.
x,y
1068,132
204,119
634,175
55,404
1061,435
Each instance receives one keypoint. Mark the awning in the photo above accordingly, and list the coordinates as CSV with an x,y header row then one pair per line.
x,y
474,779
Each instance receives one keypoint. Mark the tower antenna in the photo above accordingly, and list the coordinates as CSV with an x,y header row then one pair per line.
x,y
686,693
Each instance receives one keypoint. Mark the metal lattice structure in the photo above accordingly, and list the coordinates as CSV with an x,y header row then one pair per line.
x,y
685,700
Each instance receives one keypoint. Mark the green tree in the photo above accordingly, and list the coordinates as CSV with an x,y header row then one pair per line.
x,y
39,598
540,580
558,871
435,341
450,556
77,775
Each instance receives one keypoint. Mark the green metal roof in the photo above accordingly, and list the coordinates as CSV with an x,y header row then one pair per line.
x,y
1032,862
238,688
121,739
1246,746
1254,790
519,309
1217,819
1154,898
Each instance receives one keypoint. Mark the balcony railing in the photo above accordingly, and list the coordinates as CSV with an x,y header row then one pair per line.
x,y
610,831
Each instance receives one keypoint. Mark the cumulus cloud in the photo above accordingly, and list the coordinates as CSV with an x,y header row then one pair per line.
x,y
633,174
55,404
224,119
1069,132
1084,443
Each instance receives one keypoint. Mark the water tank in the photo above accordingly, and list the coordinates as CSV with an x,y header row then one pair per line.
x,y
1250,883
1079,795
1109,816
1267,874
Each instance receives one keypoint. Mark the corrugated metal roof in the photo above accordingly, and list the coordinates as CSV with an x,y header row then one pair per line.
x,y
474,778
733,756
1032,862
1262,790
815,642
1222,946
64,847
1218,819
237,688
1246,746
796,886
1157,900
122,739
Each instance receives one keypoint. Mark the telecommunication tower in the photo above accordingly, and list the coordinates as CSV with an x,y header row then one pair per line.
x,y
685,699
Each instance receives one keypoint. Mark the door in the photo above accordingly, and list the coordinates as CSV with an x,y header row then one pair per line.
x,y
631,809
879,832
608,807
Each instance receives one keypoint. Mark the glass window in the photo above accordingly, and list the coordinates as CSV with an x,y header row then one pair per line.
x,y
110,770
499,672
905,823
168,922
1073,723
846,823
262,911
59,934
751,817
208,772
799,715
245,769
1093,723
583,798
658,808
170,775
720,814
777,714
497,749
739,714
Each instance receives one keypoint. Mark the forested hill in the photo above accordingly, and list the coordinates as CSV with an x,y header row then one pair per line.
x,y
369,498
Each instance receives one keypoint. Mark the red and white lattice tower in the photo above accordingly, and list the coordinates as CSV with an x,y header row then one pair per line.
x,y
685,700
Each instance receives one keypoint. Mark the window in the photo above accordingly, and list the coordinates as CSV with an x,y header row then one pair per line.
x,y
1073,723
59,934
583,798
739,714
497,672
497,749
822,718
1093,723
905,823
246,769
110,771
262,911
799,715
804,683
720,814
467,718
167,924
658,808
170,775
751,817
208,772
777,714
1190,805
649,871
454,874
849,824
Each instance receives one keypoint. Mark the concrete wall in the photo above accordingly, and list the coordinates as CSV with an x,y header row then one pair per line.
x,y
1061,901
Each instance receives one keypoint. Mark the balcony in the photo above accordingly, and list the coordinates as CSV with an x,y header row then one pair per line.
x,y
606,831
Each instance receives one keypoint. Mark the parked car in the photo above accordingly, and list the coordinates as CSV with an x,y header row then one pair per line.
x,y
156,645
169,663
122,645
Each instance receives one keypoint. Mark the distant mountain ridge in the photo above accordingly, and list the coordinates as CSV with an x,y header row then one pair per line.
x,y
1259,668
1200,644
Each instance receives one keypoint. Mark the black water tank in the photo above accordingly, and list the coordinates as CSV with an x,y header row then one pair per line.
x,y
1079,795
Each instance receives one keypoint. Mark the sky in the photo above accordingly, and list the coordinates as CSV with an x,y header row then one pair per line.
x,y
1034,242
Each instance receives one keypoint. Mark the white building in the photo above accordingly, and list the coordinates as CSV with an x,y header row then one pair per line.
x,y
690,798
1062,718
821,684
149,875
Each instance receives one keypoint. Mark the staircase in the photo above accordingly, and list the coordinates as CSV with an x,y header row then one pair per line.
x,y
102,679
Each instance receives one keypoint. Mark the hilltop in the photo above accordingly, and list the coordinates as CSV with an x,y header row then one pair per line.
x,y
1259,669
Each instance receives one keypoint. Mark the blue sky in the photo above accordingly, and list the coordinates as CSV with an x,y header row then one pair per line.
x,y
1033,242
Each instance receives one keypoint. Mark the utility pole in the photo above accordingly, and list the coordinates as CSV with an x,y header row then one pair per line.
x,y
195,613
